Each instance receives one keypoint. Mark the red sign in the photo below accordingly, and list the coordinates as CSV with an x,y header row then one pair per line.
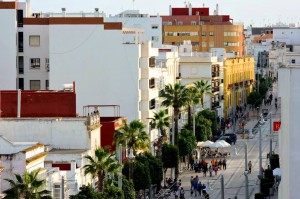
x,y
276,125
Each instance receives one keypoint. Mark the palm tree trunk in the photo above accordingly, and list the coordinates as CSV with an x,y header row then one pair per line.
x,y
100,181
165,173
190,115
176,117
159,147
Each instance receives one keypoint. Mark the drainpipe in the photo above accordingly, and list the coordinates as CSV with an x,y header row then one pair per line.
x,y
19,103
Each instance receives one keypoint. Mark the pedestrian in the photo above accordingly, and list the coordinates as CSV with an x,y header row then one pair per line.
x,y
199,188
220,164
216,170
177,193
224,164
181,194
196,185
204,170
210,171
249,166
192,181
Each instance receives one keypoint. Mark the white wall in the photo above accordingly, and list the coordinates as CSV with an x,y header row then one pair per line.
x,y
41,52
66,133
289,92
289,35
8,49
105,70
144,23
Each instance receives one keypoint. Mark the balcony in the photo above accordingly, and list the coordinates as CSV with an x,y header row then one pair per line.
x,y
215,89
215,74
215,105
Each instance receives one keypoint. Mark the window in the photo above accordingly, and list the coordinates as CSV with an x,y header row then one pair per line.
x,y
35,63
195,44
155,38
293,61
154,26
203,44
21,65
152,83
167,23
203,34
152,104
211,44
47,84
211,33
193,23
34,40
152,62
201,22
180,23
35,85
20,18
47,66
20,42
21,83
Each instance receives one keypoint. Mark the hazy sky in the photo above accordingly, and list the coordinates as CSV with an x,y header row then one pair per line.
x,y
255,12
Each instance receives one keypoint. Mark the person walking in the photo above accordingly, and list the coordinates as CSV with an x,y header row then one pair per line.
x,y
249,166
204,170
181,193
199,188
210,171
216,170
224,164
196,185
192,181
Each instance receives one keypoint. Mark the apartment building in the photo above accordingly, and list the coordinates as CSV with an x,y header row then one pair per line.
x,y
151,25
238,82
205,31
197,66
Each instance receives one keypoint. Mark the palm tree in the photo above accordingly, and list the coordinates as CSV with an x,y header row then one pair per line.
x,y
133,135
204,88
161,121
103,162
193,99
27,186
176,97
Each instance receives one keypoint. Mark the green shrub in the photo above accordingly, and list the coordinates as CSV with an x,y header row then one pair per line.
x,y
128,188
112,192
259,196
141,176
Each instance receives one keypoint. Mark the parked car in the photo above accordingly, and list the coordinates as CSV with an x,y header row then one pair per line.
x,y
232,137
226,138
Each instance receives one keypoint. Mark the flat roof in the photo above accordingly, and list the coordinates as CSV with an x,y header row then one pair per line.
x,y
67,151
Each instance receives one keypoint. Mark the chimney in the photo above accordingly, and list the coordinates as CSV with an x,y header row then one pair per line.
x,y
96,12
63,12
217,9
170,10
190,9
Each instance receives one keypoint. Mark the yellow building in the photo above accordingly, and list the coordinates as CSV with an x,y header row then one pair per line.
x,y
238,82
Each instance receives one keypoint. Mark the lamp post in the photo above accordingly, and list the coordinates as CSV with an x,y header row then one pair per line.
x,y
131,158
257,109
246,172
270,154
120,168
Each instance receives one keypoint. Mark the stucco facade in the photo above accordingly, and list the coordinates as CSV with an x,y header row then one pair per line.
x,y
238,82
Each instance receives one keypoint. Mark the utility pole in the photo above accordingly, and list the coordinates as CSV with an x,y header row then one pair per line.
x,y
222,187
260,157
246,172
270,154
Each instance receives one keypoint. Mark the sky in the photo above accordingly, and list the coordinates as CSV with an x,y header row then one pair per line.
x,y
255,12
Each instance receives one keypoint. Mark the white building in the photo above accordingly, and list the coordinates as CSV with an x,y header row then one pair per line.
x,y
201,66
66,140
289,92
18,157
152,26
109,64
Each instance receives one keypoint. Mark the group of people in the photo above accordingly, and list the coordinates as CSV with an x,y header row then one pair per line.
x,y
202,166
197,187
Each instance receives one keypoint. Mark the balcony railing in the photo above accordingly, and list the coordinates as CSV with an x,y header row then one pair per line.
x,y
215,74
215,105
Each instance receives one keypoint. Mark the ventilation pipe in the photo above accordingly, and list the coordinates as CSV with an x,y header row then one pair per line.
x,y
63,12
217,9
170,10
19,103
96,12
190,9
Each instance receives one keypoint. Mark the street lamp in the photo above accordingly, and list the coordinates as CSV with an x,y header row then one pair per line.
x,y
257,109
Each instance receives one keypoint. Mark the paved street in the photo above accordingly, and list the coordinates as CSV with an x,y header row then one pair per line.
x,y
234,179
